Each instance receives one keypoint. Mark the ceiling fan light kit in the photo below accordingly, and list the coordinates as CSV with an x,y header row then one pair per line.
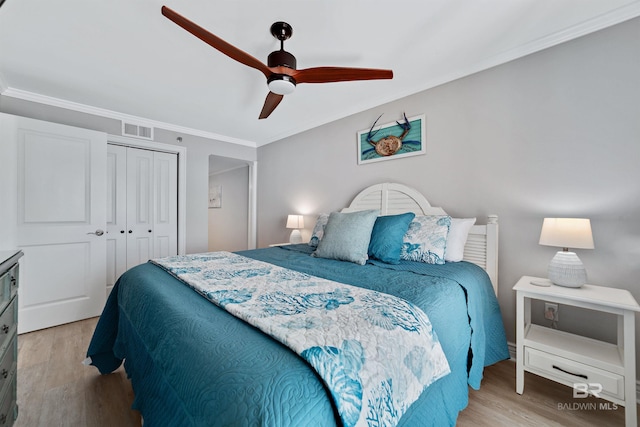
x,y
281,73
281,84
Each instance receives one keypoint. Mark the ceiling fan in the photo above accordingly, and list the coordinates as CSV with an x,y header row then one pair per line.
x,y
280,70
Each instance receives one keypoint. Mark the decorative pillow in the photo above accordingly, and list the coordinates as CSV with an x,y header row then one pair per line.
x,y
346,236
457,238
386,237
318,229
426,239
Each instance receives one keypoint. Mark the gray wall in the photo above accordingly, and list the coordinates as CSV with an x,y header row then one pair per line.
x,y
198,151
556,133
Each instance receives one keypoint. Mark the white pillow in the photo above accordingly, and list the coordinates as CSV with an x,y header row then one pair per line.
x,y
457,238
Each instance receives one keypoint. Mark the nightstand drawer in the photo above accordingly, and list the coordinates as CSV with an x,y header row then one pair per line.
x,y
569,372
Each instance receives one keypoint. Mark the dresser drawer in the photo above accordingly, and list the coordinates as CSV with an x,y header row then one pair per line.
x,y
8,364
8,324
8,405
569,372
8,284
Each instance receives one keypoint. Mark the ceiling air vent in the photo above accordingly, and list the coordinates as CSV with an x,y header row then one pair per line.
x,y
137,131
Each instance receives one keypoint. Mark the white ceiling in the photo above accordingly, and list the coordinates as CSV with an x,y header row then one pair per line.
x,y
123,59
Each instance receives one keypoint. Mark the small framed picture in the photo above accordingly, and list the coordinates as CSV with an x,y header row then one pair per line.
x,y
392,140
215,196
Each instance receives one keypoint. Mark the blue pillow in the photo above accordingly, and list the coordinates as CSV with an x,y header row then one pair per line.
x,y
387,236
346,236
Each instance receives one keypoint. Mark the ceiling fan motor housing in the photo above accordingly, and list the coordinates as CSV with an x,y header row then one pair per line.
x,y
281,58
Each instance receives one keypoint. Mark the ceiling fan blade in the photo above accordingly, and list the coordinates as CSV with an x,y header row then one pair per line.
x,y
339,74
270,104
216,42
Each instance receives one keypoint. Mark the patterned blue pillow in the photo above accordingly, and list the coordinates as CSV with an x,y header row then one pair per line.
x,y
387,235
346,236
426,239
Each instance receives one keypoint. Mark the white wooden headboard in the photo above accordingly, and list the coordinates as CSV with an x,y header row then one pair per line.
x,y
391,198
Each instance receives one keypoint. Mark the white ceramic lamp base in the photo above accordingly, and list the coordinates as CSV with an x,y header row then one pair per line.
x,y
295,237
566,269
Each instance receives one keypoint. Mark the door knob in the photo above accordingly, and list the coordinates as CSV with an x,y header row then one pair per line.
x,y
98,232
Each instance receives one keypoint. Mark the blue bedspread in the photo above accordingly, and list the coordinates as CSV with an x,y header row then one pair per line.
x,y
192,363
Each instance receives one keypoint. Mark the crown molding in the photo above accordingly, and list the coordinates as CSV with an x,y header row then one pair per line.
x,y
601,22
590,26
102,112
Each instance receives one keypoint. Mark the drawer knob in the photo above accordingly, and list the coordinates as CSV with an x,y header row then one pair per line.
x,y
4,373
5,329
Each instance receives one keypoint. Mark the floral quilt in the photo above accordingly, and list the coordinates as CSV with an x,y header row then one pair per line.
x,y
375,352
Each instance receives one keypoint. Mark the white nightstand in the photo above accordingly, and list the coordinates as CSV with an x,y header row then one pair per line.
x,y
582,363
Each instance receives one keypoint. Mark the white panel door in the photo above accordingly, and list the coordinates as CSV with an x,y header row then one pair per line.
x,y
139,206
116,213
165,204
61,218
142,208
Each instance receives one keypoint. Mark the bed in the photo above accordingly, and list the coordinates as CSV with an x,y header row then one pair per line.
x,y
192,362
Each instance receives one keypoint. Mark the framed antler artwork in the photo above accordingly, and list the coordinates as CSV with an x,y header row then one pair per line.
x,y
402,138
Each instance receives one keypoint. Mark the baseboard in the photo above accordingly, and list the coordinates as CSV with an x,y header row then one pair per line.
x,y
512,354
512,350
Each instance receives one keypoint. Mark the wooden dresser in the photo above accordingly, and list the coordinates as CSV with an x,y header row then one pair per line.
x,y
9,279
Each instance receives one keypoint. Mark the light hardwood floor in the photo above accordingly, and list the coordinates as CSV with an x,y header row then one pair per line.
x,y
55,389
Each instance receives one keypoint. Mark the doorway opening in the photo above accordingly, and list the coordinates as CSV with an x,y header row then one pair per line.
x,y
231,204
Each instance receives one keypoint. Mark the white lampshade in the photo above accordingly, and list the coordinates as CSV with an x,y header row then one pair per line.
x,y
296,222
572,233
566,269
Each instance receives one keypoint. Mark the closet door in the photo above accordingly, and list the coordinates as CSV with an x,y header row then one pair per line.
x,y
142,208
165,204
116,213
139,206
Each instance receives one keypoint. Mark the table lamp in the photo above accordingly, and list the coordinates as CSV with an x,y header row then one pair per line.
x,y
296,222
566,269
